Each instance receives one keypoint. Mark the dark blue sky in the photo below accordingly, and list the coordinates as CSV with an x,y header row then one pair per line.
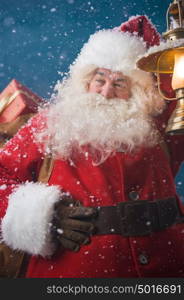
x,y
40,38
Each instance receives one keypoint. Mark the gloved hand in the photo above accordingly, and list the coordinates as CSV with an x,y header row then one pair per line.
x,y
73,225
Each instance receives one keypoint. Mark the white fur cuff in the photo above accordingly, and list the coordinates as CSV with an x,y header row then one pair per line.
x,y
26,225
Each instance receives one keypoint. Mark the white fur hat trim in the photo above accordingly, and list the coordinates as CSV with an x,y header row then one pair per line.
x,y
114,50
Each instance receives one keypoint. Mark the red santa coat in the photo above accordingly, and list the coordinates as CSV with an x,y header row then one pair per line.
x,y
27,217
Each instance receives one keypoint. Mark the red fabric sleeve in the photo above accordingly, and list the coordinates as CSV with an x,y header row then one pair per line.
x,y
19,161
175,143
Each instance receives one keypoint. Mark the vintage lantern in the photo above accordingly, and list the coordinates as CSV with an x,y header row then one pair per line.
x,y
168,58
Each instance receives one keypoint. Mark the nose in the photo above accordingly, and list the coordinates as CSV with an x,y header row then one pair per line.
x,y
107,91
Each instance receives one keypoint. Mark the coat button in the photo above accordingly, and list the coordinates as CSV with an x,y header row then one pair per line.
x,y
133,195
143,259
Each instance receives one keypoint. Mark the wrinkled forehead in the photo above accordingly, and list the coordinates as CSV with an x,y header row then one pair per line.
x,y
113,75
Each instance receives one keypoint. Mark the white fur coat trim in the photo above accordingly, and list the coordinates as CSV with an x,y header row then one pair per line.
x,y
26,225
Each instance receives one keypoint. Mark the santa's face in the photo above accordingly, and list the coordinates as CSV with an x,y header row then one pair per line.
x,y
110,112
110,84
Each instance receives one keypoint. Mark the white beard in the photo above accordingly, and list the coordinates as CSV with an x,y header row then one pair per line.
x,y
80,119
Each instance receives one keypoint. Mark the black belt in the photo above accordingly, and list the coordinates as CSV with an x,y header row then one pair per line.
x,y
137,218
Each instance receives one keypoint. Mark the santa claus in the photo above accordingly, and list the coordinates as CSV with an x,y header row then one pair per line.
x,y
109,207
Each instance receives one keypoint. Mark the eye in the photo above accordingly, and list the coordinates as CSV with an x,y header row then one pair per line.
x,y
119,85
100,81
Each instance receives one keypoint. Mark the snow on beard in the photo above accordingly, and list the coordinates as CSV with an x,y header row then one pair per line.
x,y
78,119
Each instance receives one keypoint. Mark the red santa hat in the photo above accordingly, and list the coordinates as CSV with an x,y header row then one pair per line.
x,y
143,28
118,49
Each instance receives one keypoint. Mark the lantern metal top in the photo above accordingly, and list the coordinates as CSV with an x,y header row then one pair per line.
x,y
175,21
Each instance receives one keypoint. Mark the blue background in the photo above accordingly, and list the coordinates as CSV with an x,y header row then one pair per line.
x,y
40,38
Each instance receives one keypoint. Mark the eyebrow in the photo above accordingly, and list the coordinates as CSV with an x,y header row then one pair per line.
x,y
103,74
121,79
100,73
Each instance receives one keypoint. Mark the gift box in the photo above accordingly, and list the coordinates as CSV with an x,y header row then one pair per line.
x,y
15,100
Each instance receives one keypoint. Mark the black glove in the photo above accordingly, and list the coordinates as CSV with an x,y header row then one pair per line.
x,y
72,223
